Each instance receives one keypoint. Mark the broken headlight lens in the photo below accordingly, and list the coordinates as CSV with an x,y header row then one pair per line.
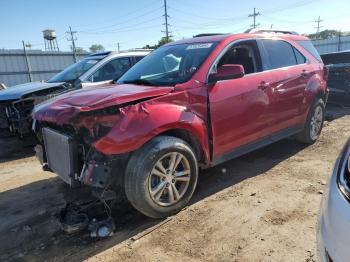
x,y
344,171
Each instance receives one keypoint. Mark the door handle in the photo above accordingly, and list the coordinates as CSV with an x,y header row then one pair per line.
x,y
263,85
304,73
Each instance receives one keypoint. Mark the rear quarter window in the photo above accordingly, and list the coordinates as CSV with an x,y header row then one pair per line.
x,y
279,53
308,46
299,56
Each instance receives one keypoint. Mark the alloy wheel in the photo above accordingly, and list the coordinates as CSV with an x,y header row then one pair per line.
x,y
316,122
169,179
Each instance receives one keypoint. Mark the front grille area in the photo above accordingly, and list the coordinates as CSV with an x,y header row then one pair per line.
x,y
61,154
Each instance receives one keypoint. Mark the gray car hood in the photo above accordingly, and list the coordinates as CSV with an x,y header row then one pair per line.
x,y
18,91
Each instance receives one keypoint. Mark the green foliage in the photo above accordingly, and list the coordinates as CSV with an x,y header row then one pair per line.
x,y
96,48
327,34
80,50
161,42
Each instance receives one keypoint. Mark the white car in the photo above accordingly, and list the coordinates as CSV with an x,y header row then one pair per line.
x,y
333,238
17,102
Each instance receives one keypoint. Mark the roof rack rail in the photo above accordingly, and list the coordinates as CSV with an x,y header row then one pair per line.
x,y
259,31
208,34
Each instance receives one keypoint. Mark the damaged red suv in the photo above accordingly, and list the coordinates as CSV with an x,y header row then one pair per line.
x,y
188,105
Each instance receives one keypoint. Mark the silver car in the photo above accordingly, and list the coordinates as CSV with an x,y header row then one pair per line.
x,y
334,219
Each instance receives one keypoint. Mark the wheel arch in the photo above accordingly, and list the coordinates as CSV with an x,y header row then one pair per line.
x,y
190,139
142,122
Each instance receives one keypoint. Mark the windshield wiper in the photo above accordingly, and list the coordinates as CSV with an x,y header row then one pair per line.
x,y
139,82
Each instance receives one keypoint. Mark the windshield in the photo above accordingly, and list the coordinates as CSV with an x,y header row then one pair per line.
x,y
74,71
168,65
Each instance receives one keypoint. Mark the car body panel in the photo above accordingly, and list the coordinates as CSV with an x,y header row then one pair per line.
x,y
239,112
338,64
333,232
67,106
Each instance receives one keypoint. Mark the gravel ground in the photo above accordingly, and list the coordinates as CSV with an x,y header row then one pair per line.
x,y
260,207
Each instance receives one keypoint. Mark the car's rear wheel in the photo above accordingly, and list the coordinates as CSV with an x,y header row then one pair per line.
x,y
314,123
161,177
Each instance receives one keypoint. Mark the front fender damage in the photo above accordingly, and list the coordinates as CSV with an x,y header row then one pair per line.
x,y
141,122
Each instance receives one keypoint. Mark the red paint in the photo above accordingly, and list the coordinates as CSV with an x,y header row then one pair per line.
x,y
241,110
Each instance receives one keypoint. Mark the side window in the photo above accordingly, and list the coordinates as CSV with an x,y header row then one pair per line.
x,y
114,69
279,53
308,46
245,54
299,56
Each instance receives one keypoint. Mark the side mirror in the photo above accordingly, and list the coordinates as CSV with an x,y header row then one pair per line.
x,y
225,72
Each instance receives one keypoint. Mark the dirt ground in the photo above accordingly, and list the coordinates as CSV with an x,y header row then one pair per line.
x,y
260,207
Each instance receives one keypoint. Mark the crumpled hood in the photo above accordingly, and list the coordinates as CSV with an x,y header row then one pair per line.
x,y
65,107
18,91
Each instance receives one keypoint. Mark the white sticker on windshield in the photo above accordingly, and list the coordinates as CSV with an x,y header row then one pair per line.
x,y
199,46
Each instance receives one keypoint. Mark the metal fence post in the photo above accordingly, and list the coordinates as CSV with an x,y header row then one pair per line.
x,y
27,62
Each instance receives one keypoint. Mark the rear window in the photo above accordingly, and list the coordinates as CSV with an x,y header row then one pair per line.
x,y
308,46
279,53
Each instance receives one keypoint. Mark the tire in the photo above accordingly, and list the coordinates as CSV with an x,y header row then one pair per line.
x,y
150,181
315,116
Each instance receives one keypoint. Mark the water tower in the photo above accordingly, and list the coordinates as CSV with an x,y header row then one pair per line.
x,y
50,40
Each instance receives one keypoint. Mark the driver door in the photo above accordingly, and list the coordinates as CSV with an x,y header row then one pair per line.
x,y
239,107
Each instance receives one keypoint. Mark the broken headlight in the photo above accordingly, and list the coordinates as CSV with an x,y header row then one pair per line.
x,y
344,171
99,123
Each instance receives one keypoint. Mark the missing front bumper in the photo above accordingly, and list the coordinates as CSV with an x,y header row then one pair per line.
x,y
60,154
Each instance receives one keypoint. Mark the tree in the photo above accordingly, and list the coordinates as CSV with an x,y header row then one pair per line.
x,y
161,42
96,48
80,50
327,34
164,41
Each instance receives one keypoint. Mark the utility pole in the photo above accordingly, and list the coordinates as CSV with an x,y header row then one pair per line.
x,y
72,39
166,16
254,15
27,62
318,21
339,41
118,47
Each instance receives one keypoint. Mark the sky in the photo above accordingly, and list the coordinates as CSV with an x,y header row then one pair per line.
x,y
135,23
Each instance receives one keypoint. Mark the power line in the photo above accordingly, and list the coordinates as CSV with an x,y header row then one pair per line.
x,y
122,22
127,14
72,39
121,31
254,15
131,26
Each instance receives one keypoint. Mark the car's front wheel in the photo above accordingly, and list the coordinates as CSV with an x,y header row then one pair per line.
x,y
161,177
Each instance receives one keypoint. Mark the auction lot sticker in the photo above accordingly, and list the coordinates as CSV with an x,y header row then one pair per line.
x,y
199,46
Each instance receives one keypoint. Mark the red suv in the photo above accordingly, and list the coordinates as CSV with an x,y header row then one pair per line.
x,y
188,105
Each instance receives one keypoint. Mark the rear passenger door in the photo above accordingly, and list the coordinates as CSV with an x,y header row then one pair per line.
x,y
287,79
